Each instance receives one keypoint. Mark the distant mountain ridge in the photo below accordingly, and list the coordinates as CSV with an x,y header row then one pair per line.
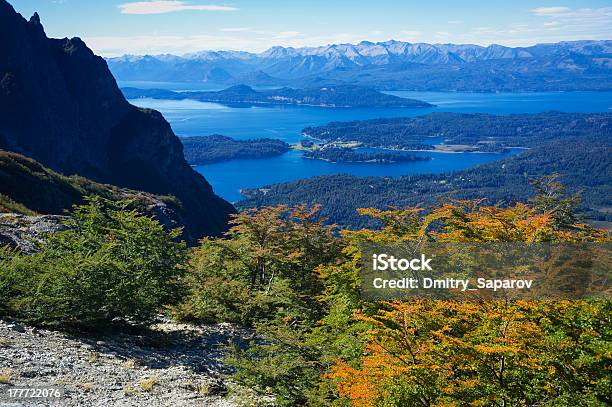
x,y
568,65
60,105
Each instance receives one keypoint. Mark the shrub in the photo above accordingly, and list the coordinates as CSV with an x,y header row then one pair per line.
x,y
263,269
216,299
110,263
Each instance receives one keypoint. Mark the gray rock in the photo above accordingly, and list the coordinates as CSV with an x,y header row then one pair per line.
x,y
108,370
16,327
24,232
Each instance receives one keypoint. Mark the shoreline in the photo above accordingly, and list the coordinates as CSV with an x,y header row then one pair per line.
x,y
305,135
362,162
264,103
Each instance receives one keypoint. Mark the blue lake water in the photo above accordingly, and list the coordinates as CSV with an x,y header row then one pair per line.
x,y
192,118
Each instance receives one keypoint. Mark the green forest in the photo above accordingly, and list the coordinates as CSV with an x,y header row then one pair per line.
x,y
485,131
242,95
350,155
200,150
583,164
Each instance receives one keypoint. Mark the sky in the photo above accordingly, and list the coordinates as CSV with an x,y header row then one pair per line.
x,y
117,27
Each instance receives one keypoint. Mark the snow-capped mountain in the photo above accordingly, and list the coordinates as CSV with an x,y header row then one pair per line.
x,y
384,64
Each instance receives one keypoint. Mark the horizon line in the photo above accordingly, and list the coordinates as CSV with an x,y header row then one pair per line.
x,y
348,43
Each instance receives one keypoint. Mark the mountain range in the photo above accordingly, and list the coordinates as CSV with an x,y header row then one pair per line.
x,y
61,106
571,65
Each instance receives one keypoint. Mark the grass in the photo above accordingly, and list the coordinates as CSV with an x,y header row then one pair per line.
x,y
5,376
129,364
28,187
247,397
8,205
149,383
201,388
129,390
87,386
93,357
5,343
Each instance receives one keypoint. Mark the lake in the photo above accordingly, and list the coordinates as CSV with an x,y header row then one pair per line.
x,y
192,118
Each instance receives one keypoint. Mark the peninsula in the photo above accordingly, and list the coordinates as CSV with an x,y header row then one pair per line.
x,y
326,96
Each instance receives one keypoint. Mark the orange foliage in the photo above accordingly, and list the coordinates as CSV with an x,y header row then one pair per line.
x,y
426,352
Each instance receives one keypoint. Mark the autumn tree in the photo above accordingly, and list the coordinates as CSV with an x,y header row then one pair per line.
x,y
439,353
319,342
433,352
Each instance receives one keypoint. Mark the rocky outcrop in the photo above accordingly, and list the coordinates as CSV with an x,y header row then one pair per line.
x,y
23,232
60,105
30,188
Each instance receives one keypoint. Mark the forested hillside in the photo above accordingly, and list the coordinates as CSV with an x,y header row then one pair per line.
x,y
584,166
327,96
350,155
209,149
475,131
27,187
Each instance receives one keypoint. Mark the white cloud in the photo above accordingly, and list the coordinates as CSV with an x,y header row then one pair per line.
x,y
168,6
159,44
409,36
549,11
236,29
287,34
586,16
110,46
553,24
564,25
579,23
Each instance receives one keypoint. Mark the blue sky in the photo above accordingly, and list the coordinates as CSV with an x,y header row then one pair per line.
x,y
114,27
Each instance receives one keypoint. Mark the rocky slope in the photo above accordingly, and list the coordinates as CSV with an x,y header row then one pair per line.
x,y
21,232
29,188
60,105
169,365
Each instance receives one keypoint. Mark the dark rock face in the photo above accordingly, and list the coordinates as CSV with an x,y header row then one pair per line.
x,y
60,105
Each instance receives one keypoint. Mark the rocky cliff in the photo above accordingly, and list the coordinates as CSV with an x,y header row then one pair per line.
x,y
60,105
29,188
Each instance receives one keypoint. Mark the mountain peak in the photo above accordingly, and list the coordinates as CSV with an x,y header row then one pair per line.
x,y
396,64
35,19
240,89
60,105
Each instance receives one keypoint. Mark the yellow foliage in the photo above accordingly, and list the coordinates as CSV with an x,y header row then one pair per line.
x,y
430,352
